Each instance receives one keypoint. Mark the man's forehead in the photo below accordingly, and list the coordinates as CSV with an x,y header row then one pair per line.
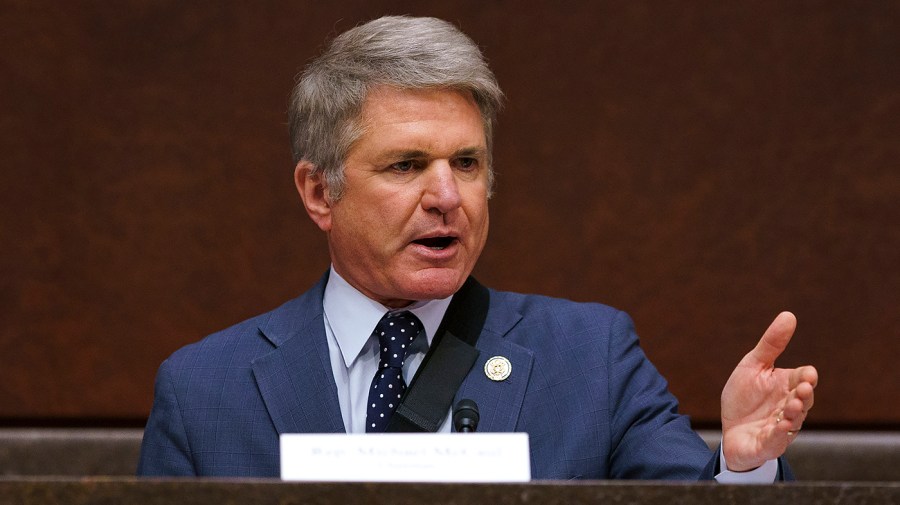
x,y
399,122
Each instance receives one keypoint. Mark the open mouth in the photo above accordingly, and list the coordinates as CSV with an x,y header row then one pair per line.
x,y
436,243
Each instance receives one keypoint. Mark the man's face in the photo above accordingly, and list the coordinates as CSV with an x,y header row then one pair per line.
x,y
413,218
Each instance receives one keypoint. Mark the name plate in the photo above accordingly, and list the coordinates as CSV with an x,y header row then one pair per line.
x,y
406,457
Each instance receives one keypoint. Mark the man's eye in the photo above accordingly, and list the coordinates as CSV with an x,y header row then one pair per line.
x,y
403,166
467,163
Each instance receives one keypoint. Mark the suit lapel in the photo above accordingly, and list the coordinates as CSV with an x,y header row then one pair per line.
x,y
297,385
499,402
295,380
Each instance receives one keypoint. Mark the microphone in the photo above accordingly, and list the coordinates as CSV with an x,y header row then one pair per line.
x,y
465,416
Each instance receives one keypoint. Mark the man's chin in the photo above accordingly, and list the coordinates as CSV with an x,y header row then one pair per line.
x,y
435,283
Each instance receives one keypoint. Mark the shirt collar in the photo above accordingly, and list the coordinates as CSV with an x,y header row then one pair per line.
x,y
352,315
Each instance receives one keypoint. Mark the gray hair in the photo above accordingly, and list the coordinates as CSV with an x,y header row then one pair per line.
x,y
400,51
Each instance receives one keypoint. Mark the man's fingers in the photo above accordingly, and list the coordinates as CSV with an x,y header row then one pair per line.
x,y
793,416
803,381
807,374
797,405
774,340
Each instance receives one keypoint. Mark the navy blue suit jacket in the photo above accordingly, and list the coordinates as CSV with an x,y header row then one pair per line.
x,y
593,405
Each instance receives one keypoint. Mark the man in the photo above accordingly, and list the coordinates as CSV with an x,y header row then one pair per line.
x,y
392,130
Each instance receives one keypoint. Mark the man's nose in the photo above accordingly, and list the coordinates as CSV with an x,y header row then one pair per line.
x,y
441,192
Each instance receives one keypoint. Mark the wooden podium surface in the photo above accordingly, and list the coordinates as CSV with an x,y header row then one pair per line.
x,y
40,491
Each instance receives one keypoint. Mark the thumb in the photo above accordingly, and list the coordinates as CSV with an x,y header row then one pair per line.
x,y
774,340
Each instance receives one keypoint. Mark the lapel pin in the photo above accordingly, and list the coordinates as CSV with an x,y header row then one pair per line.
x,y
497,368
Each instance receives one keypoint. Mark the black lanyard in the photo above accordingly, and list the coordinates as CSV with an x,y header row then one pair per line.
x,y
429,396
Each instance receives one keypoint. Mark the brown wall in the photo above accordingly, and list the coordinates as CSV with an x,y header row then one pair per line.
x,y
702,166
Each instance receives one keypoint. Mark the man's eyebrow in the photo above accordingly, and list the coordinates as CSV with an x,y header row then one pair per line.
x,y
402,154
412,154
471,152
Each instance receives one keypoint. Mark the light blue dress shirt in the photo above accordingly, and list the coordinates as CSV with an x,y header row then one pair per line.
x,y
350,318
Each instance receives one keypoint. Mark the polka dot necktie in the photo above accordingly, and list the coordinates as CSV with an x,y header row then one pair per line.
x,y
395,332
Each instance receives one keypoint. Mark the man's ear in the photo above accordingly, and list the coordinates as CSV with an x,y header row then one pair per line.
x,y
314,193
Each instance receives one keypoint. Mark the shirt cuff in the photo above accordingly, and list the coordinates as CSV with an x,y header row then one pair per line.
x,y
765,474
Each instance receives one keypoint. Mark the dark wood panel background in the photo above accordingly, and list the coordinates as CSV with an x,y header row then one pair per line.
x,y
702,165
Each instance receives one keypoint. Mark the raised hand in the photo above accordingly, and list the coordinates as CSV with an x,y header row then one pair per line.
x,y
763,407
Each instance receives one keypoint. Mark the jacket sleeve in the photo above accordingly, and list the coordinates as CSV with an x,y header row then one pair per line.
x,y
165,450
649,439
